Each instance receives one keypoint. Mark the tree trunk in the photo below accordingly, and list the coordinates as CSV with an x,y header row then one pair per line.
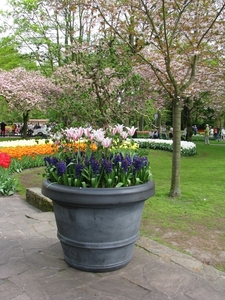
x,y
25,122
175,179
158,123
187,120
141,123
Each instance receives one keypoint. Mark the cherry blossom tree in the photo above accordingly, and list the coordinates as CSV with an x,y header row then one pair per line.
x,y
173,40
25,91
102,89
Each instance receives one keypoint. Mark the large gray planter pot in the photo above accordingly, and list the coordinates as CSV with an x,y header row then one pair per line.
x,y
98,228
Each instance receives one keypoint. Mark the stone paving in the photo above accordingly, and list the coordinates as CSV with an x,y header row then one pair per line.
x,y
32,266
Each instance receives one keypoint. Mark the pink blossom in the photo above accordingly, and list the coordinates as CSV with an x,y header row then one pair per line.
x,y
91,137
71,134
57,141
119,128
80,132
99,134
113,130
106,142
124,134
131,130
87,132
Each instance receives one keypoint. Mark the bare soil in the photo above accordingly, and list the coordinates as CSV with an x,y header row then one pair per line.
x,y
207,246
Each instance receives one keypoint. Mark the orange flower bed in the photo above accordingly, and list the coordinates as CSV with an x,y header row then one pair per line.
x,y
20,151
44,149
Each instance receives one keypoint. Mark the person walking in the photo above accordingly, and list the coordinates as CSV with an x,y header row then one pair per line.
x,y
195,129
207,134
150,134
3,125
223,134
156,134
163,130
185,133
171,133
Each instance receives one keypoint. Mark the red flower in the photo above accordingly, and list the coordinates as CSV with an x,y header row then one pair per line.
x,y
5,160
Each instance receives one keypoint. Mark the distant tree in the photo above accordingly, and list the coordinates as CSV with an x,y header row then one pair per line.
x,y
10,58
48,29
102,89
25,91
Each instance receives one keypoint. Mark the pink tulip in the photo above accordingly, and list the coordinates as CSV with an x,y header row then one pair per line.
x,y
99,134
113,130
79,132
124,134
106,142
87,132
119,128
131,131
91,137
71,134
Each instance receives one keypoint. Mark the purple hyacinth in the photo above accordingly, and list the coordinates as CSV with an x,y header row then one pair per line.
x,y
47,160
50,160
54,161
139,162
107,164
118,158
78,169
95,165
126,162
61,168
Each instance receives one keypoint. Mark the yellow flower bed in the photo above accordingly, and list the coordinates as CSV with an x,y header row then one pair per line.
x,y
80,146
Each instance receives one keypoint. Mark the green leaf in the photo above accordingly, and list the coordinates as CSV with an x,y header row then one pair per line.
x,y
119,184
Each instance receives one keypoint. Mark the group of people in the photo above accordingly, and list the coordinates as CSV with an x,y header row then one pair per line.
x,y
214,132
15,128
185,132
155,134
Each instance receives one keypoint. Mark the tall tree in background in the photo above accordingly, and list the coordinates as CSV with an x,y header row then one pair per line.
x,y
174,40
10,57
47,29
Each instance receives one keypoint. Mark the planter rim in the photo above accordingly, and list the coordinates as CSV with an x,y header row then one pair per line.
x,y
96,196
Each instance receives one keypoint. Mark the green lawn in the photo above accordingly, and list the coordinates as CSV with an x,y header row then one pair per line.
x,y
202,183
200,211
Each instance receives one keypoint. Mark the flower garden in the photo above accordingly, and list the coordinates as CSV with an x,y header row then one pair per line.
x,y
17,155
187,148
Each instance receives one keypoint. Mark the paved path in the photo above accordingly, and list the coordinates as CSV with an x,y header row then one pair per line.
x,y
32,266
